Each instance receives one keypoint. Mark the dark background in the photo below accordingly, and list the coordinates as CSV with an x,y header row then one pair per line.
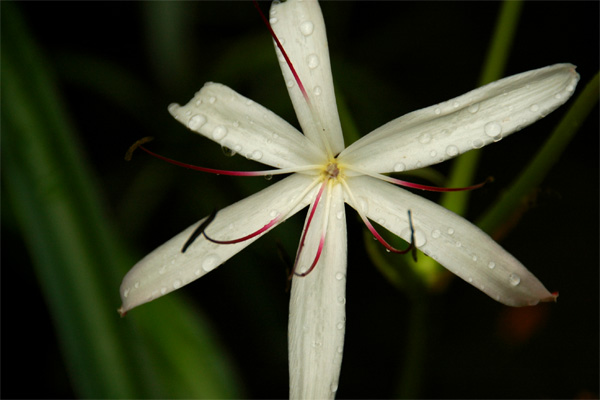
x,y
388,58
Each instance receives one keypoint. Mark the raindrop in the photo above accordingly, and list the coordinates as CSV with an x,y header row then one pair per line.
x,y
477,144
219,132
340,349
452,150
474,258
436,234
470,280
317,90
126,293
249,102
340,325
493,129
136,285
212,100
176,284
196,122
450,231
334,387
273,21
455,104
162,270
557,96
163,290
491,265
339,215
236,124
399,167
290,83
433,153
256,155
341,300
534,108
210,263
339,276
514,279
227,151
313,61
197,272
437,111
268,177
273,213
425,138
307,28
473,108
237,148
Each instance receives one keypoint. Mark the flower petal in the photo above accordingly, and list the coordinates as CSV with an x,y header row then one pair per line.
x,y
300,28
167,268
232,120
317,307
452,241
471,121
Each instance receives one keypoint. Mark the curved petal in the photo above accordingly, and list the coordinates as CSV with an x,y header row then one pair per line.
x,y
300,28
452,241
317,307
167,268
232,120
471,121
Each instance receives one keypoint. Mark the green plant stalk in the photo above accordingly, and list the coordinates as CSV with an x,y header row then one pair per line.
x,y
547,156
162,351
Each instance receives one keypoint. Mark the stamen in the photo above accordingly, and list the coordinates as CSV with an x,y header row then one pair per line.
x,y
247,237
199,230
400,182
283,52
311,214
376,234
269,172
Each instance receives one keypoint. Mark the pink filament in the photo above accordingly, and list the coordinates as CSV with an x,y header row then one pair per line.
x,y
434,188
247,237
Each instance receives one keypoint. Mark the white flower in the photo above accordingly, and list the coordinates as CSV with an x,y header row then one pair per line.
x,y
325,175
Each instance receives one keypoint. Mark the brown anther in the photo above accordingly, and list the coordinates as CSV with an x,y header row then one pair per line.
x,y
332,170
136,145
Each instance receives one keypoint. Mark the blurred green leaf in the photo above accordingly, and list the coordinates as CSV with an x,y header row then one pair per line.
x,y
165,350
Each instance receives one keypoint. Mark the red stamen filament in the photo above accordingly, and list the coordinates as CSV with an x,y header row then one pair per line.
x,y
313,209
265,228
283,52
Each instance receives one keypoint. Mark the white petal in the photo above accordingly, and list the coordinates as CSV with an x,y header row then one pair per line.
x,y
471,121
300,28
232,120
167,268
317,308
451,240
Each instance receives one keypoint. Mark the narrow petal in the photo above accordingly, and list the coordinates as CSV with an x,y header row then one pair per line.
x,y
245,127
471,121
451,240
317,307
300,28
167,268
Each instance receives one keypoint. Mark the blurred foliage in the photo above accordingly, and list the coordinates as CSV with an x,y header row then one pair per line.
x,y
90,78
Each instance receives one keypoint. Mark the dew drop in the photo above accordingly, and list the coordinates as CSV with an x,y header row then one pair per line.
x,y
162,270
176,284
470,280
493,129
236,124
399,167
477,144
557,96
197,272
450,231
339,276
219,132
136,285
273,21
307,28
126,293
237,148
256,155
425,138
290,83
317,90
196,122
433,153
514,279
437,111
227,151
341,300
456,104
273,213
339,215
473,108
163,290
491,265
452,150
474,258
340,325
436,234
268,177
534,108
340,349
313,61
334,387
249,102
210,263
212,100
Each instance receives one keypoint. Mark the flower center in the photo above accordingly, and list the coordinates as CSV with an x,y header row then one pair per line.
x,y
332,170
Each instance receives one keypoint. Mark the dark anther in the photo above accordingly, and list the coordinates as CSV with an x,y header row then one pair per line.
x,y
199,231
136,145
413,246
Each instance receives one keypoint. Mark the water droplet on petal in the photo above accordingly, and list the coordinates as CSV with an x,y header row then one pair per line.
x,y
256,155
340,325
493,130
307,28
196,122
450,231
534,108
433,153
334,387
339,215
268,177
290,83
126,293
197,272
436,234
313,61
212,100
317,90
399,167
437,111
210,263
470,280
219,132
162,270
227,151
456,104
273,21
425,138
136,285
473,108
341,300
514,279
163,290
339,276
176,284
491,265
477,144
452,150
